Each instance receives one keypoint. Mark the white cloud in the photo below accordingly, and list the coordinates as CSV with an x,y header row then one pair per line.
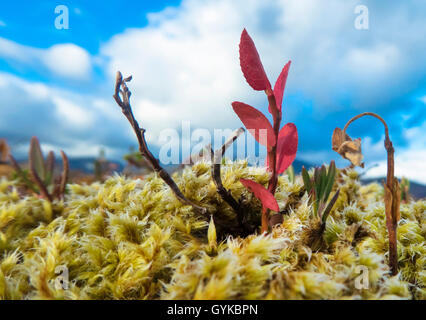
x,y
410,161
186,60
65,104
68,60
380,59
185,67
64,60
60,118
80,149
72,113
185,64
17,52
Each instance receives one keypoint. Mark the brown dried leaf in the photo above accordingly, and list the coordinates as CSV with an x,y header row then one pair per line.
x,y
338,138
349,149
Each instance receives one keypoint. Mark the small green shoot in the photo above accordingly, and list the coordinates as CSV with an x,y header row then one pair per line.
x,y
319,187
405,190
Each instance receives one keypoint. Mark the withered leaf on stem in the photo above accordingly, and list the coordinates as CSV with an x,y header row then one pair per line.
x,y
392,201
349,149
4,150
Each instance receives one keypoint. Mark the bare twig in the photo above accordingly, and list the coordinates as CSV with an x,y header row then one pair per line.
x,y
204,153
225,194
233,136
392,193
124,102
368,114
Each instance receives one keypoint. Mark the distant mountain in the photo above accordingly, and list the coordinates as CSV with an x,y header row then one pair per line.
x,y
417,190
298,164
86,164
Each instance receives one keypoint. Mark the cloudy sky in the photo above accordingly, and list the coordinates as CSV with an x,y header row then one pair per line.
x,y
57,83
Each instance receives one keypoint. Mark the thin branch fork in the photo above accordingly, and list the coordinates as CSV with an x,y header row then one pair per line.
x,y
122,97
216,157
204,154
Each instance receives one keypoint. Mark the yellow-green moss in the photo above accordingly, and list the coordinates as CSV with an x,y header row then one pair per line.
x,y
131,239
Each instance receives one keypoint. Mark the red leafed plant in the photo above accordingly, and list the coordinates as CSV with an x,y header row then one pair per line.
x,y
281,143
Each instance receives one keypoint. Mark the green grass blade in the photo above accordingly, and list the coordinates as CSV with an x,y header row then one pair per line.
x,y
330,180
330,206
306,180
322,182
316,183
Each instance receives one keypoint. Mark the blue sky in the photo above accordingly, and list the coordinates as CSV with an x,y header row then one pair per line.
x,y
57,84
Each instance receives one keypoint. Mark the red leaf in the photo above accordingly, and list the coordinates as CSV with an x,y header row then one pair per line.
x,y
286,147
267,198
256,123
251,65
280,85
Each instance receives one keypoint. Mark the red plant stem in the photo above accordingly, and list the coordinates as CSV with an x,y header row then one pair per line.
x,y
392,207
37,180
272,156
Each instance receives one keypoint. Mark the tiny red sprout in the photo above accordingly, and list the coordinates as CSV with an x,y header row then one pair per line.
x,y
251,65
256,123
264,195
281,144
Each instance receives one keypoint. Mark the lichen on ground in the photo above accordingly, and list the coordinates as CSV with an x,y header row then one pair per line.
x,y
131,239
